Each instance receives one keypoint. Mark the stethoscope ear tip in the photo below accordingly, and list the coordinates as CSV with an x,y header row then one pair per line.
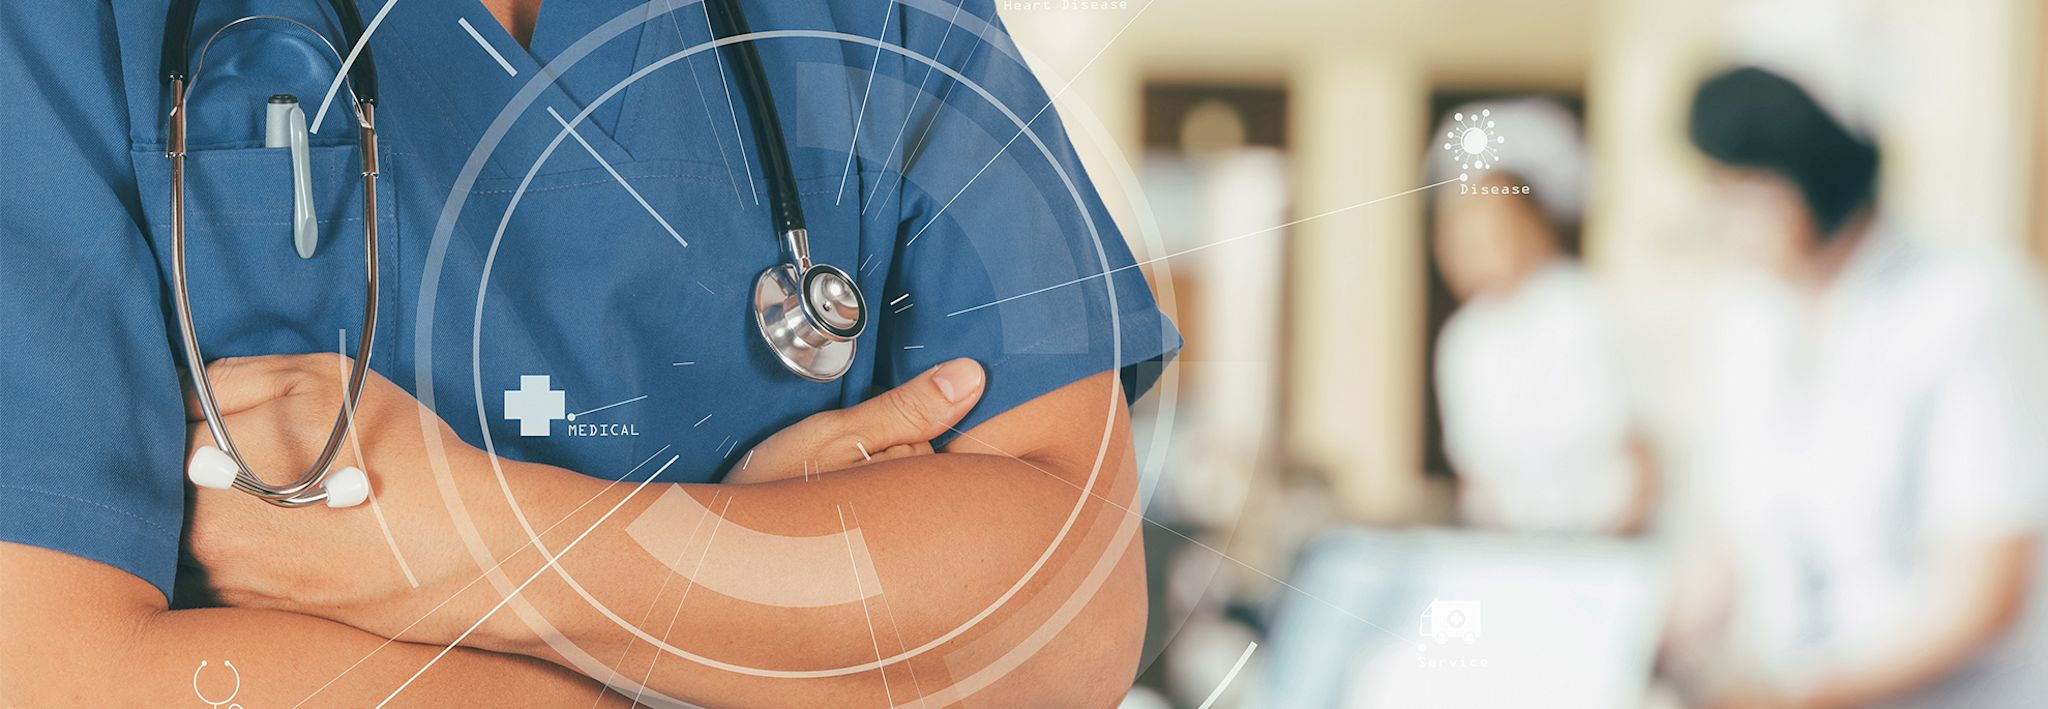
x,y
211,467
347,487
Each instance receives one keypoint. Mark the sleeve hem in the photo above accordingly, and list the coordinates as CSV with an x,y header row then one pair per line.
x,y
93,531
1155,340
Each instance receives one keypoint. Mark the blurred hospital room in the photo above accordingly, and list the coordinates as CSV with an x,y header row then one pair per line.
x,y
1582,353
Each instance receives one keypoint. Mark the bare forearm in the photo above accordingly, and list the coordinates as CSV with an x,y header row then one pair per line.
x,y
917,574
285,658
936,567
79,633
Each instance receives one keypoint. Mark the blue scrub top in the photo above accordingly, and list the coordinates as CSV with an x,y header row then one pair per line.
x,y
581,285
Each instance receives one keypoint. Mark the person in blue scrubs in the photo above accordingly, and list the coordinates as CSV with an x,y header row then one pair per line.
x,y
514,250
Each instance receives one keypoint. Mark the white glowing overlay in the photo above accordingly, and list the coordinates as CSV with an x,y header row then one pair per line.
x,y
1472,140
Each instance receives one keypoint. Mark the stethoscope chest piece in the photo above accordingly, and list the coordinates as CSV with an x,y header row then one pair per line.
x,y
810,315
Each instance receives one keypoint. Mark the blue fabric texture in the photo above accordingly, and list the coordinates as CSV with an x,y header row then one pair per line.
x,y
549,267
90,457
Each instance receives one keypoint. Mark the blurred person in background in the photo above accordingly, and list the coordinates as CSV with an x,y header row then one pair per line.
x,y
1536,418
1876,441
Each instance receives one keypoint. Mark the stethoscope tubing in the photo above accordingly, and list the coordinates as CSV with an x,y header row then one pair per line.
x,y
796,273
785,207
308,488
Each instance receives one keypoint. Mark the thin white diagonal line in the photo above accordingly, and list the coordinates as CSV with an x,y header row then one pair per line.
x,y
873,639
703,102
621,179
486,44
1212,244
1228,676
1028,121
1191,540
928,126
350,61
739,139
607,406
665,578
897,629
888,13
551,563
472,582
356,442
915,97
689,583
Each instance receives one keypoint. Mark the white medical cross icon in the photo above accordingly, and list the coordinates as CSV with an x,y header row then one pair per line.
x,y
534,405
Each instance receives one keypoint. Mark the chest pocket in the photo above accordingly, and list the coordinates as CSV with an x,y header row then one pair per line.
x,y
251,292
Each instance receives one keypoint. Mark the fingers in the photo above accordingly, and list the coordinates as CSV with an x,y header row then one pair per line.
x,y
277,437
243,383
907,450
917,411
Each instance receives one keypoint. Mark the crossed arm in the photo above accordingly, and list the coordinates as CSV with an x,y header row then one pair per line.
x,y
1022,589
82,633
1003,568
942,538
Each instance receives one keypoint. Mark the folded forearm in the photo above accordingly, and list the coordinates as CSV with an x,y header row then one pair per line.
x,y
285,659
940,568
80,633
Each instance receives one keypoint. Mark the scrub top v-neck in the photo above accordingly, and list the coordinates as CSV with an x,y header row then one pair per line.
x,y
554,290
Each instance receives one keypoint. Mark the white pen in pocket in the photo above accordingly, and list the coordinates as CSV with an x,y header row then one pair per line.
x,y
284,126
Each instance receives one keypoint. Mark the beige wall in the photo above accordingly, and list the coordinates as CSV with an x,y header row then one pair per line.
x,y
1356,362
1967,154
2039,47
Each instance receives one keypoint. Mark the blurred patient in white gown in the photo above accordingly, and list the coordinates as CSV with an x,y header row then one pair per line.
x,y
1537,420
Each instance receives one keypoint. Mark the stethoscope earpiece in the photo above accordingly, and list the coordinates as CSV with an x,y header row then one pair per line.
x,y
347,487
809,314
214,469
222,468
211,468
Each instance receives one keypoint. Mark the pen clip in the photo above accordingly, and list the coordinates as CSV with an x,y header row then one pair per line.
x,y
285,127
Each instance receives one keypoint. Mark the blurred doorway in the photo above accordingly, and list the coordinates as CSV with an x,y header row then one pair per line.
x,y
1214,167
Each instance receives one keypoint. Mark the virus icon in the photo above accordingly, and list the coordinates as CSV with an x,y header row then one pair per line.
x,y
1472,140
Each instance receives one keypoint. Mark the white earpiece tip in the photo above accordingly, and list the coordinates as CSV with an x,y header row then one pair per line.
x,y
347,487
211,467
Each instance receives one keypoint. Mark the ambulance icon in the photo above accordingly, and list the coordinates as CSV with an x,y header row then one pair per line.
x,y
1446,619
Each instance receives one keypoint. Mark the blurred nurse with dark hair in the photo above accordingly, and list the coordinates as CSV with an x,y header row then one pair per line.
x,y
1872,491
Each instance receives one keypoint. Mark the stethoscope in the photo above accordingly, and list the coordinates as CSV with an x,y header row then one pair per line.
x,y
221,466
808,313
